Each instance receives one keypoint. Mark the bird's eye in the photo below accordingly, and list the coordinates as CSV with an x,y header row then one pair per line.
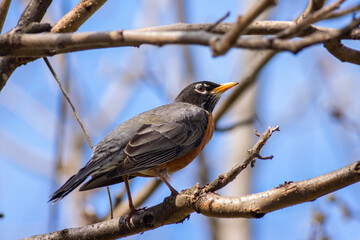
x,y
200,88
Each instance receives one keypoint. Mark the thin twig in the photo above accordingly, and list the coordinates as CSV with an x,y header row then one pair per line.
x,y
253,153
139,198
245,82
69,101
59,142
343,12
308,20
212,27
247,121
78,119
110,201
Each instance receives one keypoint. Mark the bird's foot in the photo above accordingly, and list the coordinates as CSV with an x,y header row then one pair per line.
x,y
131,213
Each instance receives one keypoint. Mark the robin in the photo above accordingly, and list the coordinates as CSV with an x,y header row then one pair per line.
x,y
155,143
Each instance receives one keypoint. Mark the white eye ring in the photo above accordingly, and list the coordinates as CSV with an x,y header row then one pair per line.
x,y
200,88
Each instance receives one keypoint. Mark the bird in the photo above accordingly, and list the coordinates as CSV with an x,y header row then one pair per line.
x,y
154,143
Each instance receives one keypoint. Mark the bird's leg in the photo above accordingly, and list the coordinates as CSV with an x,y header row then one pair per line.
x,y
133,210
163,178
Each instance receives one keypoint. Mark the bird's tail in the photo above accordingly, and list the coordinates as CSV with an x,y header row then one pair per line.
x,y
69,186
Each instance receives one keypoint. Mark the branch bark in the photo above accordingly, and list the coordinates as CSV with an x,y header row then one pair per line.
x,y
4,8
224,179
176,209
77,16
34,12
48,44
313,5
256,28
344,12
286,195
341,52
220,46
311,18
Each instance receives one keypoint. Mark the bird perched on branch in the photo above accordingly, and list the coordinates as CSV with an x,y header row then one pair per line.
x,y
155,143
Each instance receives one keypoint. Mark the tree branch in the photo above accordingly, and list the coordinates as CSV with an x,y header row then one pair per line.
x,y
77,16
341,13
175,209
220,46
4,8
313,6
245,82
308,19
48,44
224,179
34,12
256,28
341,52
286,195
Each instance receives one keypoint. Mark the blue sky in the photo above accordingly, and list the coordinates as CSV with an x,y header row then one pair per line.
x,y
296,92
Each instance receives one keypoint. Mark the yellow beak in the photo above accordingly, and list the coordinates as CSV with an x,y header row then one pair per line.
x,y
224,87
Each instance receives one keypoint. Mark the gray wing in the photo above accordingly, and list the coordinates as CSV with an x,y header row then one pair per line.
x,y
162,141
145,141
110,151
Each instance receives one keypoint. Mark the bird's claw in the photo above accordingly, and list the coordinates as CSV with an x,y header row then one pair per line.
x,y
131,213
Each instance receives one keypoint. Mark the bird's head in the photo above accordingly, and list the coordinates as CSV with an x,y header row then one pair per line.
x,y
204,94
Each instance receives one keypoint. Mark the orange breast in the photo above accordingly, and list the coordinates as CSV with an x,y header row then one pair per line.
x,y
180,163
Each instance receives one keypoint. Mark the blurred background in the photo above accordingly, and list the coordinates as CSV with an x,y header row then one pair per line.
x,y
312,96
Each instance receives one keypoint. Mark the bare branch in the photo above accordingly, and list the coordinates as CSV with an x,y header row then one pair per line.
x,y
343,12
175,209
4,8
48,44
79,121
288,194
69,101
34,12
256,28
212,27
245,82
220,46
313,6
77,16
247,121
309,19
341,52
223,179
